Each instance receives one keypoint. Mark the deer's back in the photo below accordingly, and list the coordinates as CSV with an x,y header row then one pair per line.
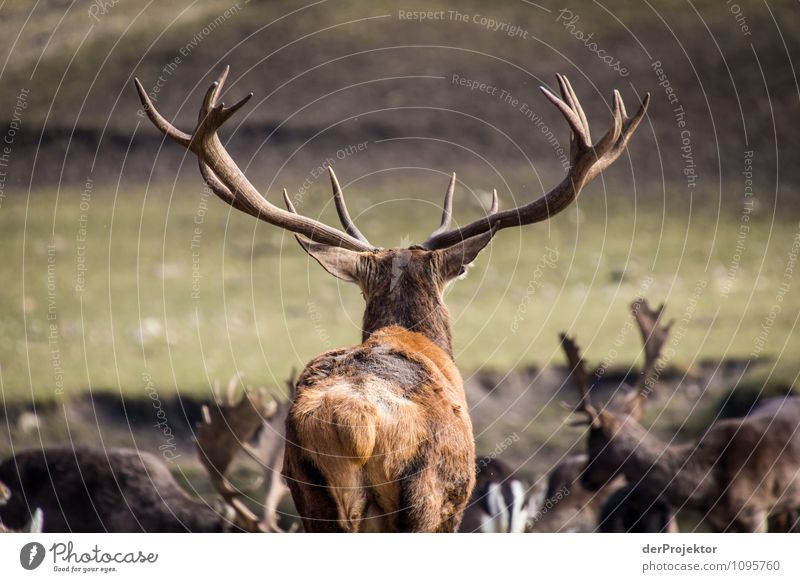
x,y
399,373
382,397
761,453
364,415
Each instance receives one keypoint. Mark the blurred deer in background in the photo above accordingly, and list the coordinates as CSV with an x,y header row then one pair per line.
x,y
232,421
500,503
627,511
92,489
737,475
268,453
378,437
581,508
624,508
571,507
785,522
34,525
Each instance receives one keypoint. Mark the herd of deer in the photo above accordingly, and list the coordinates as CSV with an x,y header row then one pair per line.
x,y
378,437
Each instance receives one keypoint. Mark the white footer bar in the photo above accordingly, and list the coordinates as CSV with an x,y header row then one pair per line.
x,y
236,557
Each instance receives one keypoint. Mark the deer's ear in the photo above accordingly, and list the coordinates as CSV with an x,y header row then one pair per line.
x,y
456,259
339,262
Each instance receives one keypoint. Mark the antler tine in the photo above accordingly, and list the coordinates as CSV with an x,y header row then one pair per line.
x,y
582,139
233,382
654,336
212,95
569,94
614,132
630,124
627,127
227,180
575,123
288,202
269,406
495,203
341,209
159,120
447,209
213,113
244,517
587,162
579,374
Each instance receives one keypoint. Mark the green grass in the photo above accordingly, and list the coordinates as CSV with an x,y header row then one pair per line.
x,y
262,307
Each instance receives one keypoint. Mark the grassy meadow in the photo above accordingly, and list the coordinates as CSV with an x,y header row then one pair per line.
x,y
116,291
113,286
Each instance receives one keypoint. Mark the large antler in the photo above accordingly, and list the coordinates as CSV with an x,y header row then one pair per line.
x,y
226,428
228,182
580,376
587,161
654,336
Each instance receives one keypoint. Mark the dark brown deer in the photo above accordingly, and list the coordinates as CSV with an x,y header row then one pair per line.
x,y
500,502
33,526
378,437
577,508
567,505
92,489
580,508
628,511
737,474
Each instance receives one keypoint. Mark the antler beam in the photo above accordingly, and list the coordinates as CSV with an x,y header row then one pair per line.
x,y
579,375
587,161
654,336
228,181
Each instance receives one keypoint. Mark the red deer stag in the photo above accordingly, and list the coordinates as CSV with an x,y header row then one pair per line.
x,y
378,437
738,474
580,508
625,508
91,489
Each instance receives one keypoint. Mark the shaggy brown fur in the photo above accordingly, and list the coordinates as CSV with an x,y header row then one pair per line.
x,y
373,439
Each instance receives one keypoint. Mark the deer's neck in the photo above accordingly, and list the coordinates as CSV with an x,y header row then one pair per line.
x,y
429,318
667,471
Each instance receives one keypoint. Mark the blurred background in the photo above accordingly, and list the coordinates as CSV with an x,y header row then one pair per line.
x,y
124,282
